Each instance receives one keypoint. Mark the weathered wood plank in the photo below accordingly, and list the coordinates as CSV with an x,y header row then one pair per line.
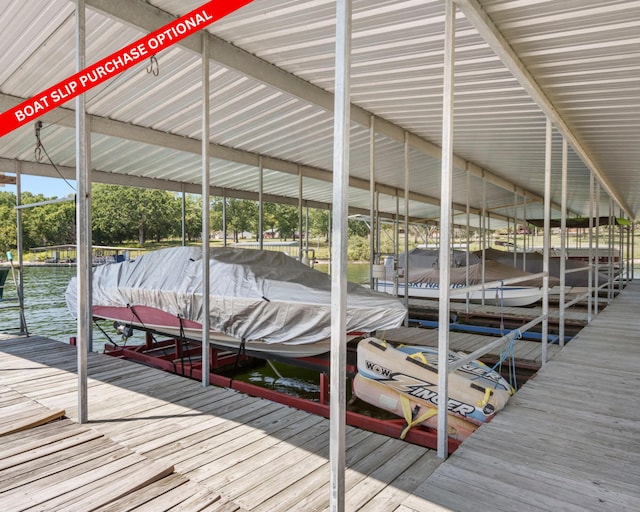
x,y
242,451
30,452
403,486
34,469
34,419
231,478
145,494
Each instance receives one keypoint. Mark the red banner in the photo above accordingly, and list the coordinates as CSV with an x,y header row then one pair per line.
x,y
116,63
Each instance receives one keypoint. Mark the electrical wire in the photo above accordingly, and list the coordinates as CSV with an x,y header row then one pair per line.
x,y
39,149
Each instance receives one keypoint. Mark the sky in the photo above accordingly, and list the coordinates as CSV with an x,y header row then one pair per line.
x,y
49,187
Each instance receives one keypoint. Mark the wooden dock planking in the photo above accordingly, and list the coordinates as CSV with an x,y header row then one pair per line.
x,y
222,443
148,494
221,439
306,490
63,465
230,473
241,459
201,438
60,460
568,440
367,473
57,466
298,481
402,487
27,420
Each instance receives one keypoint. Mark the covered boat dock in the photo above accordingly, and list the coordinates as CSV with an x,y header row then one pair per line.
x,y
474,113
567,441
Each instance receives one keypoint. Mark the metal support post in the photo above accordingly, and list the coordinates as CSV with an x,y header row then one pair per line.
x,y
260,204
620,251
224,218
484,232
183,211
406,225
372,199
594,261
20,290
610,251
83,225
446,179
300,191
337,406
563,240
547,240
206,250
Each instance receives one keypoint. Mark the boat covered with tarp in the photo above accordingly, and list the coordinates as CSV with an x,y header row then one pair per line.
x,y
264,301
423,279
533,262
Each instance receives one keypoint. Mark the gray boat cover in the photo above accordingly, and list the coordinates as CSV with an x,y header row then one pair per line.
x,y
493,271
254,294
424,259
534,263
424,268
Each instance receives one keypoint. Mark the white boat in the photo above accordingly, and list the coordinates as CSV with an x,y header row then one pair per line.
x,y
424,278
264,301
494,296
404,380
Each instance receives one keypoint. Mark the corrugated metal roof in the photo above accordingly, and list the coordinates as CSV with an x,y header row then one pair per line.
x,y
584,55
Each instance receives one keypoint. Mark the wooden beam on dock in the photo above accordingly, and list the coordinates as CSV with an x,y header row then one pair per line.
x,y
7,180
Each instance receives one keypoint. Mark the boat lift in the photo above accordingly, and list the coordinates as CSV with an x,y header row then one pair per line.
x,y
183,357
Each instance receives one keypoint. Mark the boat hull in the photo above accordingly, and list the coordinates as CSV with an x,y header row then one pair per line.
x,y
509,296
152,319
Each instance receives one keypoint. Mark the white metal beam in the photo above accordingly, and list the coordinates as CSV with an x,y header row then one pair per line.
x,y
446,174
341,143
546,246
206,189
83,225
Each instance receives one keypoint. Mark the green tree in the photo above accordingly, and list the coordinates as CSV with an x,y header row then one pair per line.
x,y
8,221
269,217
128,213
110,215
357,228
215,214
287,218
193,217
158,215
319,223
50,224
242,215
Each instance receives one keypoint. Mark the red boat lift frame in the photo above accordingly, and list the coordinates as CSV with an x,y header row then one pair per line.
x,y
171,356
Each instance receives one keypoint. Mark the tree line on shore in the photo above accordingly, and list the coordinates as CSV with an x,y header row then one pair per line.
x,y
133,215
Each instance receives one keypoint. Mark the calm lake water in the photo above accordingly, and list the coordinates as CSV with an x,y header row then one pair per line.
x,y
46,311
